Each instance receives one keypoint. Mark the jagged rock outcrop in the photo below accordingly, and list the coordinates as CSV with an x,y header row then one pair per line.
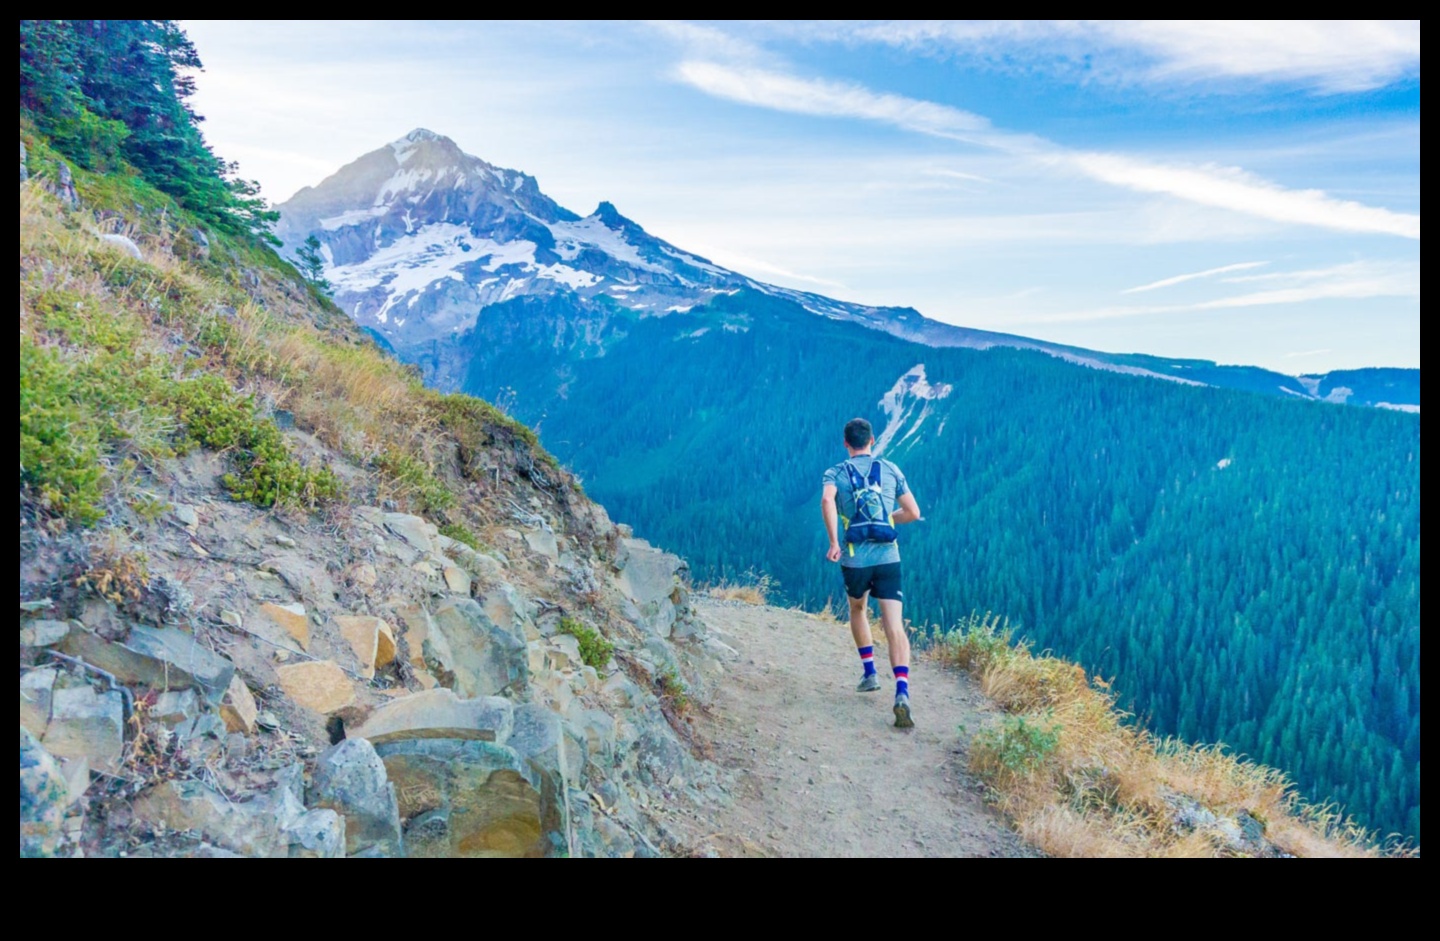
x,y
464,714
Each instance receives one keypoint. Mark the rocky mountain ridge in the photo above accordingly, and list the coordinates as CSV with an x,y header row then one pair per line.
x,y
420,239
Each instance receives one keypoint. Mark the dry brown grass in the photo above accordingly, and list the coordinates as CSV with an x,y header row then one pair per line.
x,y
343,390
1078,778
754,590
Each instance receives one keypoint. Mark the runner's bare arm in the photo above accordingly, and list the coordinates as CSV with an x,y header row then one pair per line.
x,y
832,521
909,511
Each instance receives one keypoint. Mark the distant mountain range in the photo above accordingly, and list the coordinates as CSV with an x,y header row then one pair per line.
x,y
421,238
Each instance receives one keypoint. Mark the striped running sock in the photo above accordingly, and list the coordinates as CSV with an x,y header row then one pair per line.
x,y
867,660
902,681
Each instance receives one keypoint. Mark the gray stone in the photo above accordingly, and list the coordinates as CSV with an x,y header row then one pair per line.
x,y
317,834
65,186
470,799
414,530
36,688
429,651
598,727
598,836
659,756
87,724
124,244
175,706
43,633
619,692
542,543
249,829
539,737
43,799
652,581
439,713
186,515
350,779
161,658
488,659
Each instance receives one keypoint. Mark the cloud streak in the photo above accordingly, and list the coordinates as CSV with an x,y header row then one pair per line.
x,y
1353,280
1228,188
1332,56
1182,278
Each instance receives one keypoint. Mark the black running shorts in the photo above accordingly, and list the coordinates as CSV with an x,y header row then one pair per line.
x,y
882,581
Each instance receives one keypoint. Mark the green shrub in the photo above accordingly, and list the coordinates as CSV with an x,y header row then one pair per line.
x,y
460,533
215,416
59,449
415,481
673,691
1017,747
595,649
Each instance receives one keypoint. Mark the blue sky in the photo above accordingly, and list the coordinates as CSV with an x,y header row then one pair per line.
x,y
1248,193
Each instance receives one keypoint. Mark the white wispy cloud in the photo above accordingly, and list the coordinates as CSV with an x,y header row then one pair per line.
x,y
783,92
1352,280
1229,188
1240,191
1330,56
1194,275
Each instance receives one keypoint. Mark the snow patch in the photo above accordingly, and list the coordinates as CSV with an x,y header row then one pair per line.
x,y
907,405
352,217
422,259
570,277
572,237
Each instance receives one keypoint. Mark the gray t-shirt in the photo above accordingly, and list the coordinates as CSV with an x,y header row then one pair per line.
x,y
892,484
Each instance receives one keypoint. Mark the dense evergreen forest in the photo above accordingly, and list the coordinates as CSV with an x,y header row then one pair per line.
x,y
1245,568
113,94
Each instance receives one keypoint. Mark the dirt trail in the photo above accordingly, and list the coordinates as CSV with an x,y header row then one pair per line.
x,y
820,769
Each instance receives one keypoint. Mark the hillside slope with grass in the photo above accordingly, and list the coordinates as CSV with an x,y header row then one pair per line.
x,y
279,599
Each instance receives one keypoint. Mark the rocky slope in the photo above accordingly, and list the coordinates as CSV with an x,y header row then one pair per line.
x,y
333,675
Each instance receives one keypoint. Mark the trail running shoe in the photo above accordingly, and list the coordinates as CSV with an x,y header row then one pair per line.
x,y
902,712
870,683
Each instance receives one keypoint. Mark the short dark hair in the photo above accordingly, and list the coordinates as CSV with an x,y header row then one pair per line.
x,y
858,433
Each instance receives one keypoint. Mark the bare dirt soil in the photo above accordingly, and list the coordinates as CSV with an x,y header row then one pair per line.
x,y
820,770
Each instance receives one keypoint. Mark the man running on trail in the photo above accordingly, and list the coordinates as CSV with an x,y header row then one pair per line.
x,y
863,492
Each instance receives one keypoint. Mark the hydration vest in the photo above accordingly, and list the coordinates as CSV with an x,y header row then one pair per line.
x,y
871,522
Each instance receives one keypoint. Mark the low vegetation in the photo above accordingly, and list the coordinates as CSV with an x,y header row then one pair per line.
x,y
1080,778
595,649
129,362
752,589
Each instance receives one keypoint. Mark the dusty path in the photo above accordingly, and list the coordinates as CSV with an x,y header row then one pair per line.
x,y
820,769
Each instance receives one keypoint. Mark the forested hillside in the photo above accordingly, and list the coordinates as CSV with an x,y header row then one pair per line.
x,y
1246,568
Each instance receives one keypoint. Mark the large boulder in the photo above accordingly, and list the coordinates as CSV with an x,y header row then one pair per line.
x,y
159,657
274,825
653,581
488,660
439,713
319,685
86,723
350,779
466,798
